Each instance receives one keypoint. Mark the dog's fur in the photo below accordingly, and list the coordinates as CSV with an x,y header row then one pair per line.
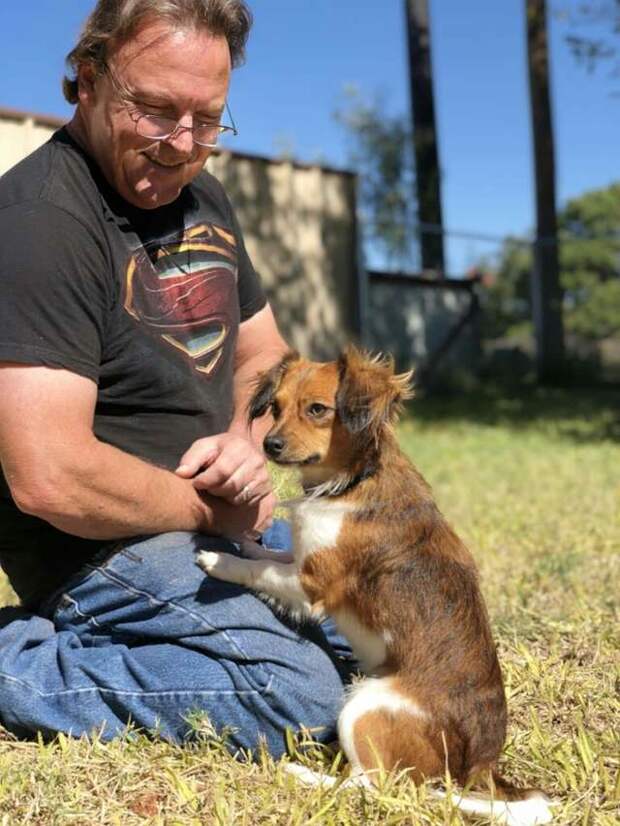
x,y
372,550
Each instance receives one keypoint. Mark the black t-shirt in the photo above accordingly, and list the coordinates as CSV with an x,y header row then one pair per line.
x,y
146,303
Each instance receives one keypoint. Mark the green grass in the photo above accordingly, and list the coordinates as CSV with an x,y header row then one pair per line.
x,y
532,483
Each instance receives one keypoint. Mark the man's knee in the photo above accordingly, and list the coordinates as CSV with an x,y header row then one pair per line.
x,y
307,696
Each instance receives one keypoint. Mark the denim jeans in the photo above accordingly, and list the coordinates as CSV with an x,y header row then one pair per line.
x,y
143,635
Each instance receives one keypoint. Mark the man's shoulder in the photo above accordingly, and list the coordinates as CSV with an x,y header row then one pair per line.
x,y
26,181
54,176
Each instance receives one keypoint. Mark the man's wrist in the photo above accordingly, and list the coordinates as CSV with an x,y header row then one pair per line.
x,y
215,515
239,427
206,513
254,432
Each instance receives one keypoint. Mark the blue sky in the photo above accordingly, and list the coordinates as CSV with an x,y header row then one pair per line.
x,y
302,55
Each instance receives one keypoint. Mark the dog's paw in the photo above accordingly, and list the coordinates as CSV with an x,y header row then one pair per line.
x,y
223,566
208,561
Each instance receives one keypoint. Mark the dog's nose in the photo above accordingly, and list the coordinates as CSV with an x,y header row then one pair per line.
x,y
274,445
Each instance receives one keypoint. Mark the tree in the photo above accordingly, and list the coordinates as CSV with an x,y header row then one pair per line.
x,y
428,179
590,260
546,290
589,242
398,162
381,154
507,301
594,30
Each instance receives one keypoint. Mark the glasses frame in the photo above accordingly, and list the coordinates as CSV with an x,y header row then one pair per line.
x,y
136,116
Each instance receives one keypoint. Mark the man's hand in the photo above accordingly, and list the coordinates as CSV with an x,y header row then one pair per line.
x,y
228,466
242,522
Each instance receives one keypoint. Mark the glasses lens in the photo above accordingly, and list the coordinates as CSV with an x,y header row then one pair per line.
x,y
159,128
153,126
206,135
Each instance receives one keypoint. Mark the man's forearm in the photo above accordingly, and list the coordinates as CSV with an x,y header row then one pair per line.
x,y
110,494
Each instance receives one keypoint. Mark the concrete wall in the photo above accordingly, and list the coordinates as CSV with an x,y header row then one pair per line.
x,y
432,325
300,231
21,133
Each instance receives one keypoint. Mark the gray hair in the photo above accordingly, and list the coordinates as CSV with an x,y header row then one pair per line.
x,y
117,20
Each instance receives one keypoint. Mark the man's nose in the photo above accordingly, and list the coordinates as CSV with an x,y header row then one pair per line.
x,y
182,139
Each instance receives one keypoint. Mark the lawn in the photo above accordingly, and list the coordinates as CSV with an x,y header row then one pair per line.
x,y
532,483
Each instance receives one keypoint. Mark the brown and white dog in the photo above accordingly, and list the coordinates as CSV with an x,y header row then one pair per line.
x,y
372,550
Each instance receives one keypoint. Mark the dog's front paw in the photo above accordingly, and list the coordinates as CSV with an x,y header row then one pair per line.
x,y
222,566
208,561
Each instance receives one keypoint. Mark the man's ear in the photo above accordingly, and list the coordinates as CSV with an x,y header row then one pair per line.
x,y
86,77
267,385
369,392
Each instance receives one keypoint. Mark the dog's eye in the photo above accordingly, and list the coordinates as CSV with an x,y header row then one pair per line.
x,y
316,409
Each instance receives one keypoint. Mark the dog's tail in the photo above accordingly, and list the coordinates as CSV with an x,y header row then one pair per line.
x,y
502,802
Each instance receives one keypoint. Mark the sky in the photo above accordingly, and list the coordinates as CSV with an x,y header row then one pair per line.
x,y
301,57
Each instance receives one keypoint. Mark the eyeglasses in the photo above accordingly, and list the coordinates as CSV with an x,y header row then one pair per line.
x,y
160,128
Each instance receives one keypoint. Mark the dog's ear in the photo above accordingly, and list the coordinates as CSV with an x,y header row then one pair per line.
x,y
267,385
369,392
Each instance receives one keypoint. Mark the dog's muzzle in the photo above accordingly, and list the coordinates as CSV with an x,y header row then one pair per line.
x,y
273,446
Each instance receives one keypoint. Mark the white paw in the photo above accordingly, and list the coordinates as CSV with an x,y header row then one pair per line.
x,y
223,566
208,561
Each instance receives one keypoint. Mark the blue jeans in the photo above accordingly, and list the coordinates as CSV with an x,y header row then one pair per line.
x,y
142,635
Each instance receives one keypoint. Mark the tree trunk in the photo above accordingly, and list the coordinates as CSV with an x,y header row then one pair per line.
x,y
425,136
545,283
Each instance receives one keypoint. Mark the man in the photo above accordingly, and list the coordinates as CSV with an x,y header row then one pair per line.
x,y
131,326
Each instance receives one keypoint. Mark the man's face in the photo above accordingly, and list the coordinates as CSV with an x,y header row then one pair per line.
x,y
183,75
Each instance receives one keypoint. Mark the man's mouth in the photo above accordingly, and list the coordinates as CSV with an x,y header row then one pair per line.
x,y
163,165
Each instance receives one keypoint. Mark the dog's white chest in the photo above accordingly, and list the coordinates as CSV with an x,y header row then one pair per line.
x,y
317,525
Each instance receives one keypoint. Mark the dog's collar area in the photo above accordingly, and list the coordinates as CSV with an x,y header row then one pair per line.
x,y
338,486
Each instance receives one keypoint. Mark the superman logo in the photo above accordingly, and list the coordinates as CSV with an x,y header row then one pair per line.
x,y
184,291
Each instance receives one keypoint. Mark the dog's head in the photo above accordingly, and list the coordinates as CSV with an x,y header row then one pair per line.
x,y
328,415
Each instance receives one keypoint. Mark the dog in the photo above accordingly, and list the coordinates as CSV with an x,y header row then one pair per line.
x,y
371,549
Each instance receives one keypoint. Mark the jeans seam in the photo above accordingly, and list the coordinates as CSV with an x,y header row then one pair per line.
x,y
124,693
76,607
50,606
156,601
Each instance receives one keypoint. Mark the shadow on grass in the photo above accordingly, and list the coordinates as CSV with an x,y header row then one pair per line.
x,y
583,414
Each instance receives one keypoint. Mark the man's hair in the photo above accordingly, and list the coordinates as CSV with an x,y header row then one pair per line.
x,y
117,20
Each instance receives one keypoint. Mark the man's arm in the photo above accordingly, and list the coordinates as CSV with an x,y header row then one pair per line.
x,y
233,464
259,347
59,471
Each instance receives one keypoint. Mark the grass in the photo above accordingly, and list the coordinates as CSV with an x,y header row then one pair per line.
x,y
532,483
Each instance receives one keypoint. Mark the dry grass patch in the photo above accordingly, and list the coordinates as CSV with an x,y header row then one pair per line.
x,y
533,485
